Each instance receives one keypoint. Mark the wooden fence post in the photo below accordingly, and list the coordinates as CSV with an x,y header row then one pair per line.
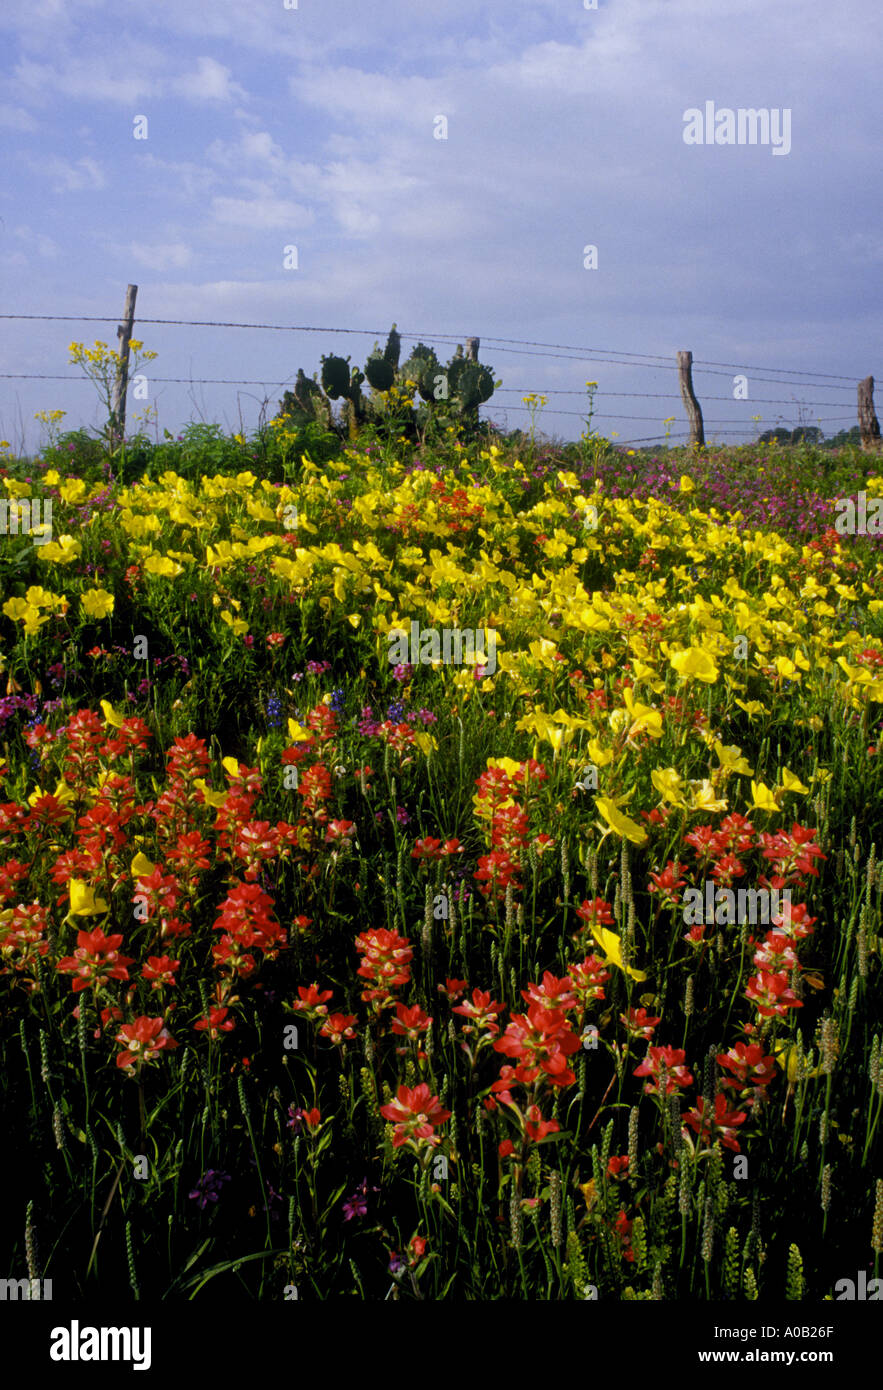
x,y
692,406
867,418
124,333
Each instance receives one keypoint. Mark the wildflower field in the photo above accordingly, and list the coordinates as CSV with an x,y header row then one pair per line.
x,y
385,830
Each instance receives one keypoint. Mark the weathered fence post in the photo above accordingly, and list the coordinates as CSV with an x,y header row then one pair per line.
x,y
124,333
867,418
692,406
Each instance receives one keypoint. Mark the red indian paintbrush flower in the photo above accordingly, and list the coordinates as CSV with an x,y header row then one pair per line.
x,y
143,1041
216,1021
668,884
536,1127
96,960
410,1022
639,1023
338,1027
672,1058
385,963
312,1002
771,994
414,1113
160,970
720,1125
751,1068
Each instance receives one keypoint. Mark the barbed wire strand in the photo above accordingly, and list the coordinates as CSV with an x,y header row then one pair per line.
x,y
664,362
503,390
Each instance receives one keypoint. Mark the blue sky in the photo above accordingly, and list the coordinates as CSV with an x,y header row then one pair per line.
x,y
269,127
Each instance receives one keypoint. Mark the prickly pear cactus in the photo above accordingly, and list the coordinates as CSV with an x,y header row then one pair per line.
x,y
423,367
380,371
475,385
455,390
335,377
393,348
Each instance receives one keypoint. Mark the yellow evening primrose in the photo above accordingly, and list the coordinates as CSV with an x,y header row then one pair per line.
x,y
97,603
695,662
791,783
41,598
210,798
239,625
33,620
762,798
161,565
669,783
297,734
623,825
62,793
15,488
752,708
73,491
704,797
16,609
83,900
642,672
141,866
645,718
787,1058
110,714
731,760
611,946
786,669
510,766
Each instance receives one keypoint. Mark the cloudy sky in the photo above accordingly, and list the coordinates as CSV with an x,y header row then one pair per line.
x,y
317,127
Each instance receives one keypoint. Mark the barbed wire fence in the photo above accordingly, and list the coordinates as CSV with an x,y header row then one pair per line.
x,y
814,382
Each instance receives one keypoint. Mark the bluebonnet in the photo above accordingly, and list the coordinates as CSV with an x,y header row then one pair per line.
x,y
274,711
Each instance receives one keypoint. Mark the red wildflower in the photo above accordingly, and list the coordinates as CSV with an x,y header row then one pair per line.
x,y
160,970
771,994
720,1126
639,1023
749,1065
414,1114
214,1023
667,884
337,1027
672,1058
95,961
536,1127
312,1001
143,1041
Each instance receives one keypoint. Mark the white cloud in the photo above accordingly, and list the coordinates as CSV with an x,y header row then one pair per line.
x,y
128,76
72,178
244,153
44,245
210,82
174,255
179,179
350,93
92,78
16,118
261,213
